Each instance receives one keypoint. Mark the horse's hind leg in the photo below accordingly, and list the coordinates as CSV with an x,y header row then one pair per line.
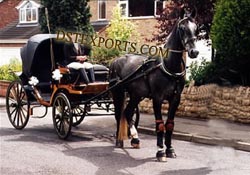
x,y
169,125
129,112
160,155
118,101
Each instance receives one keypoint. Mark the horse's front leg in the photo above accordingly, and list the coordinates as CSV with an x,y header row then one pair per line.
x,y
169,125
160,155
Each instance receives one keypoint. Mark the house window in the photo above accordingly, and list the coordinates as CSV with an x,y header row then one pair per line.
x,y
28,13
102,9
159,5
141,8
124,8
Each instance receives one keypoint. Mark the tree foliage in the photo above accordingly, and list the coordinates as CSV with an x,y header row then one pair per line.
x,y
170,14
231,39
66,15
121,28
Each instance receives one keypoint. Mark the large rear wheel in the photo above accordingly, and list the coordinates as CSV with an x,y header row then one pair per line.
x,y
17,105
62,116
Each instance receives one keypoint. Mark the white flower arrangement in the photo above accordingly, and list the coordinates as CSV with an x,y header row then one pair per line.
x,y
33,81
56,74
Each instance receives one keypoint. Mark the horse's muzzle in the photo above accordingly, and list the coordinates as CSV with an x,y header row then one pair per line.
x,y
193,53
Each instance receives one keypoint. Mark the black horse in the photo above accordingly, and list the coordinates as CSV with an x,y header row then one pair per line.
x,y
157,78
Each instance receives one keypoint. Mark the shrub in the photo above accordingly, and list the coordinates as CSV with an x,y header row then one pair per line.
x,y
230,37
202,73
120,28
104,56
7,72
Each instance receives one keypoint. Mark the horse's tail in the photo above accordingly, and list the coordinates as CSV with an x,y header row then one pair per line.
x,y
119,102
123,129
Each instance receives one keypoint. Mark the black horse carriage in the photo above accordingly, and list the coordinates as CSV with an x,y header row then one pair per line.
x,y
45,82
138,76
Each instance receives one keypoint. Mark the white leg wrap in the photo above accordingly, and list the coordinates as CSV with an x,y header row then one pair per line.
x,y
133,132
160,149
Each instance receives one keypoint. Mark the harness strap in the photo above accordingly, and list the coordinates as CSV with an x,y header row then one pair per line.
x,y
168,72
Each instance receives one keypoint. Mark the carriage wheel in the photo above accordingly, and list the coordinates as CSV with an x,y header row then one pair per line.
x,y
62,115
78,115
17,105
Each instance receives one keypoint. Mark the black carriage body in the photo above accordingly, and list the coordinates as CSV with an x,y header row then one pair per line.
x,y
37,62
36,57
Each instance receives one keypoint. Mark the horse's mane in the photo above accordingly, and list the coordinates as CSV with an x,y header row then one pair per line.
x,y
170,37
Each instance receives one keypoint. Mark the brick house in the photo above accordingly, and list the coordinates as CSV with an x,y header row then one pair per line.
x,y
19,20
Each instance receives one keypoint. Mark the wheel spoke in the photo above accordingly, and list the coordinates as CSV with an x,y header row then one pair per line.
x,y
13,111
18,114
22,116
13,93
14,119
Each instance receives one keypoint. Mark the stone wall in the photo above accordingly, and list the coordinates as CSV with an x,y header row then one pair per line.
x,y
211,101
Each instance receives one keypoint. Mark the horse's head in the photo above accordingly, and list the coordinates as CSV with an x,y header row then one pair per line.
x,y
185,31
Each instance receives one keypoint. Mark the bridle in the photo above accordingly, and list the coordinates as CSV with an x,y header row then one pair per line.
x,y
181,38
163,66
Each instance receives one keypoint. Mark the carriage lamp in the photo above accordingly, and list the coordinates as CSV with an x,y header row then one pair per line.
x,y
33,81
56,75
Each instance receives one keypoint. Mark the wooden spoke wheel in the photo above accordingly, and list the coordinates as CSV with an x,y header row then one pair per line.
x,y
62,115
17,105
78,114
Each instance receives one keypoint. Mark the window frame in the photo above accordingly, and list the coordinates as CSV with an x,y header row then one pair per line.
x,y
24,8
155,7
98,9
139,17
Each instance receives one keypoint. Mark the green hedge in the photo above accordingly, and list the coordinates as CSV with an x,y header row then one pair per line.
x,y
231,38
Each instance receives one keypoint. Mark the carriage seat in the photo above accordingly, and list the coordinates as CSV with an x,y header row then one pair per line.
x,y
101,72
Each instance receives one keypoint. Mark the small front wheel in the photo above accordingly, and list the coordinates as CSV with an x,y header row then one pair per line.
x,y
62,115
17,105
78,115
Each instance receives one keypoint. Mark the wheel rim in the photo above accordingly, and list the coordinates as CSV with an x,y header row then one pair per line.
x,y
62,116
78,115
17,105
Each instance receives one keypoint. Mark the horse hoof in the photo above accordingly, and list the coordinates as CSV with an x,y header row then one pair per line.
x,y
135,143
119,143
161,156
170,153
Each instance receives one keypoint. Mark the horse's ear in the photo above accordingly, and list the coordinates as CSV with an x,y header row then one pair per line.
x,y
182,13
194,13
